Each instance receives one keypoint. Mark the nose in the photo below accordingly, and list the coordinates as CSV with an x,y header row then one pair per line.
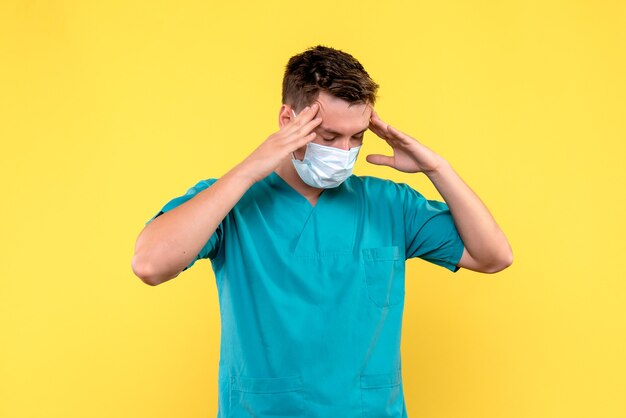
x,y
343,144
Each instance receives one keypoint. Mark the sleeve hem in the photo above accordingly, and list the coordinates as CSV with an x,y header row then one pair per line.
x,y
453,266
449,264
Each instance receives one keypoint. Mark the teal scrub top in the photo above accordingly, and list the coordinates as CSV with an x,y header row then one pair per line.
x,y
311,297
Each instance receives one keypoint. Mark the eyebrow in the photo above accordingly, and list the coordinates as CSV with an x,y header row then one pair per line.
x,y
331,131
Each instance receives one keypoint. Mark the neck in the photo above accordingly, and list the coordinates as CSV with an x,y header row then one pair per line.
x,y
288,172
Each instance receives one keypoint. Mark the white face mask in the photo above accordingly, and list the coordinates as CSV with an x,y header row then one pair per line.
x,y
325,167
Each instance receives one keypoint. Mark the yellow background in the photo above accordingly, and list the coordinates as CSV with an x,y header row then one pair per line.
x,y
108,109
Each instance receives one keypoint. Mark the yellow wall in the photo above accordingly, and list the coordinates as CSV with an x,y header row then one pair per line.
x,y
108,109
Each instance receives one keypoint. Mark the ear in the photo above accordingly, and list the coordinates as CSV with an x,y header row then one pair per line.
x,y
284,115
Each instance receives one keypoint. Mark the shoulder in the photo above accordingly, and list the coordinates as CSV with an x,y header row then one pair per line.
x,y
377,186
372,182
257,190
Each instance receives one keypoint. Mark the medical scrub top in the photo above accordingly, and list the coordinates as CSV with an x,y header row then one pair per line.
x,y
311,297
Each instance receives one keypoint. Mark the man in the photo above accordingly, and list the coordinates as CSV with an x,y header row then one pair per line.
x,y
309,259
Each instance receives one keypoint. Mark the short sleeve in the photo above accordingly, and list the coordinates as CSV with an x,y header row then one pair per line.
x,y
211,248
430,231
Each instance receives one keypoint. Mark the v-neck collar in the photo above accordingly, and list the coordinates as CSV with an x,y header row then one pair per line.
x,y
282,184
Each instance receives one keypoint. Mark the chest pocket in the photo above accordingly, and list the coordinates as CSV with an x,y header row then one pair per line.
x,y
384,275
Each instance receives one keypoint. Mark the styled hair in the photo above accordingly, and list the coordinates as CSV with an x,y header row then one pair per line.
x,y
324,68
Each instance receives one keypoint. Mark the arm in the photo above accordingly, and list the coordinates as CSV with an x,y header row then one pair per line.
x,y
486,248
172,240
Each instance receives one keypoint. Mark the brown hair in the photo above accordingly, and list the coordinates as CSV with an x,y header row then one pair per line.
x,y
324,68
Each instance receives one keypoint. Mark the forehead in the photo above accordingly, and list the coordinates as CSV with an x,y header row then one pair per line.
x,y
342,116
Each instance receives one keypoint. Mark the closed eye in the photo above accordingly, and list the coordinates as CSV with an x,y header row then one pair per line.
x,y
333,138
327,131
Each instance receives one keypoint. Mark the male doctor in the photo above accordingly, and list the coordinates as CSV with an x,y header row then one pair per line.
x,y
309,259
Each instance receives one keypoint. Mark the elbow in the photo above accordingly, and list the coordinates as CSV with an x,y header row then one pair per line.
x,y
499,265
148,275
142,270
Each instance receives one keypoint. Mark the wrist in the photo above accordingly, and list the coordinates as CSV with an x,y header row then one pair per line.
x,y
243,174
440,167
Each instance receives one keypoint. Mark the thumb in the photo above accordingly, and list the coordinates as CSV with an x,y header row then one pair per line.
x,y
380,159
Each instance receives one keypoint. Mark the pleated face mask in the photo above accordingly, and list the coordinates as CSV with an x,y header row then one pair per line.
x,y
325,167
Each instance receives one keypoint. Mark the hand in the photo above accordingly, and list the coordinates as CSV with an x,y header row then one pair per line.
x,y
409,155
279,145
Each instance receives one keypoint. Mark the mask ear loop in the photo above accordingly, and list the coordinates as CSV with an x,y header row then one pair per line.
x,y
293,154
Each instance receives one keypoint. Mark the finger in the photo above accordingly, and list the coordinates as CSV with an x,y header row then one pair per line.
x,y
378,159
399,135
374,126
378,126
378,131
305,115
377,121
302,141
306,129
